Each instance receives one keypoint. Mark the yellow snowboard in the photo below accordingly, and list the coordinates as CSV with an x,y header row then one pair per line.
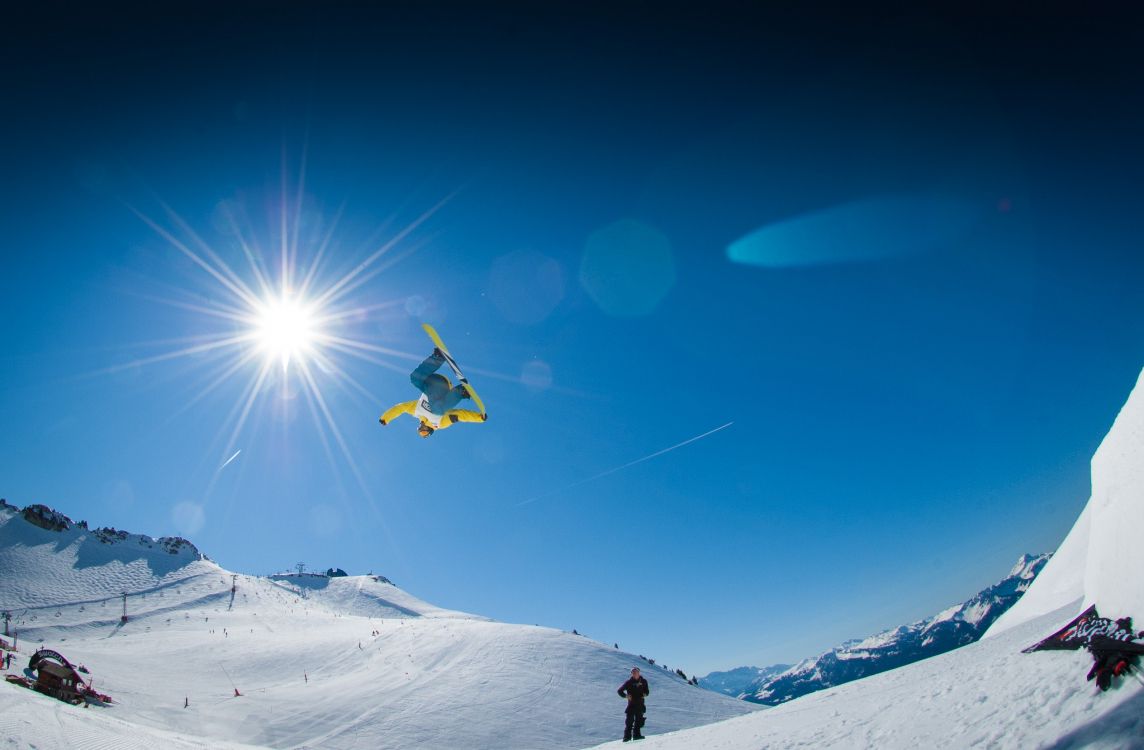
x,y
453,365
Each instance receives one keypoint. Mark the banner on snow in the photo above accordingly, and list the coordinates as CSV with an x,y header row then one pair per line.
x,y
1082,631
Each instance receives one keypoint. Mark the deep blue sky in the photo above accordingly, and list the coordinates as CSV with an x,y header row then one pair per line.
x,y
906,424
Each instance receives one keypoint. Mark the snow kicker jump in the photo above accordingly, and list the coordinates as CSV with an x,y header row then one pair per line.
x,y
436,407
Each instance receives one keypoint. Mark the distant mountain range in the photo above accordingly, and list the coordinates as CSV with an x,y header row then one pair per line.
x,y
736,682
956,626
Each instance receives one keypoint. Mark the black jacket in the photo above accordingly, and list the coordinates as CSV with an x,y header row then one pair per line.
x,y
634,690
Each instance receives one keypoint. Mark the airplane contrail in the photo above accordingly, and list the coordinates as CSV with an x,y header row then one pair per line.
x,y
227,462
603,474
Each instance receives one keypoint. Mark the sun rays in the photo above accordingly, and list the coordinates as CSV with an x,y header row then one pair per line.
x,y
279,322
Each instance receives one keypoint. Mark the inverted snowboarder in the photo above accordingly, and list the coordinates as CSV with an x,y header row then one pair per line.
x,y
436,408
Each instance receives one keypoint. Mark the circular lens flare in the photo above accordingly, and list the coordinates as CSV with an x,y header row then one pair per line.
x,y
285,329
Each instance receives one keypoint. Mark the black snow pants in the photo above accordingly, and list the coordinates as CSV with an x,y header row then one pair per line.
x,y
633,720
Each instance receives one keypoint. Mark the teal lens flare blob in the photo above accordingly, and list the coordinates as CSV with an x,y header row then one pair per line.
x,y
627,268
863,231
536,375
188,517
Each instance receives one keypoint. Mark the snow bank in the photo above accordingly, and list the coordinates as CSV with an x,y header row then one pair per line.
x,y
1099,561
1116,544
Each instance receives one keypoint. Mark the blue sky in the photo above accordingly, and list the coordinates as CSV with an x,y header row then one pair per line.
x,y
903,259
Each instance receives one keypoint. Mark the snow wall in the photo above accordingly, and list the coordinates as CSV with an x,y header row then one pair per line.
x,y
1100,559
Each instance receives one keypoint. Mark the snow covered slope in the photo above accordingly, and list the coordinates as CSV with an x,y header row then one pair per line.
x,y
346,662
1100,559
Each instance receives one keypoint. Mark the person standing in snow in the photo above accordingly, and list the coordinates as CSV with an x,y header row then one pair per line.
x,y
435,409
635,690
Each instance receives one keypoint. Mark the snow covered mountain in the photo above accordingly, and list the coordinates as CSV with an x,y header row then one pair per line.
x,y
198,657
735,682
954,627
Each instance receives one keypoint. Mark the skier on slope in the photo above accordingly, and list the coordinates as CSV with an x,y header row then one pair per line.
x,y
434,410
635,689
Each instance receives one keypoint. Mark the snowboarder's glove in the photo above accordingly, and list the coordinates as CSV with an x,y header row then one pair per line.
x,y
1107,664
484,417
382,420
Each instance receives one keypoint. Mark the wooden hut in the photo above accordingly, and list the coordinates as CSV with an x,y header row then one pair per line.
x,y
55,676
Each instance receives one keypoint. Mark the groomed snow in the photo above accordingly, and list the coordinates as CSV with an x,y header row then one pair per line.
x,y
346,662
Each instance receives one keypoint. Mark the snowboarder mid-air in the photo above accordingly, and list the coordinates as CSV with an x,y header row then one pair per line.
x,y
635,690
435,409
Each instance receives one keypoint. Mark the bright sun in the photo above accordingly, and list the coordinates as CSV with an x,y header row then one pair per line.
x,y
281,313
285,329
